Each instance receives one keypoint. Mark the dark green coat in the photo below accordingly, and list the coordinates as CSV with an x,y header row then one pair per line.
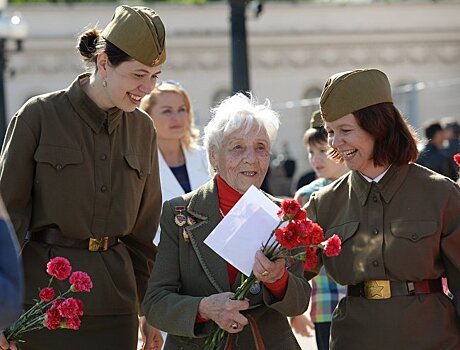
x,y
405,228
187,271
69,164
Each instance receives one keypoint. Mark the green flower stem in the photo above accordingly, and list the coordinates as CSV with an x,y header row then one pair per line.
x,y
31,319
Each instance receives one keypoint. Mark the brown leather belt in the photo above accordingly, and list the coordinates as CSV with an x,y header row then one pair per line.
x,y
385,289
54,236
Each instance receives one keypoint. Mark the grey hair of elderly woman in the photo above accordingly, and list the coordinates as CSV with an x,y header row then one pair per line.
x,y
239,112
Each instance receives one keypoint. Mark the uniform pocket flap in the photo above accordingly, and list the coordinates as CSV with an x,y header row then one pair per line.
x,y
344,231
413,230
58,156
139,163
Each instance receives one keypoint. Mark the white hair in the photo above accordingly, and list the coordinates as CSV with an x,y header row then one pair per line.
x,y
239,112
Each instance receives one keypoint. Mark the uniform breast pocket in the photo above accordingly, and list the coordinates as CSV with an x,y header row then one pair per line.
x,y
413,231
138,167
56,168
139,164
344,231
56,157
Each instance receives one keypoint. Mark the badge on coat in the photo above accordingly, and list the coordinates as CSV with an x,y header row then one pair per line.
x,y
180,219
185,235
254,289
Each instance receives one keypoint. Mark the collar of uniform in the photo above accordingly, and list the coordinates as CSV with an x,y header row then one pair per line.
x,y
392,181
89,111
360,186
387,186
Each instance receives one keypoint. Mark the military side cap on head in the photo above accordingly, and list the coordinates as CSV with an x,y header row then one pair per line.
x,y
347,92
316,120
139,32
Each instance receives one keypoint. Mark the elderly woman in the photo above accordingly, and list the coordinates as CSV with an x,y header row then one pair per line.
x,y
191,286
398,221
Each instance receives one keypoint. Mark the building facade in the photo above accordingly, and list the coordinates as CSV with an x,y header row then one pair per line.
x,y
292,47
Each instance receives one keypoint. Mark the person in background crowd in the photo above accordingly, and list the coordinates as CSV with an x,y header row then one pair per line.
x,y
452,135
11,276
325,292
183,164
191,286
79,177
305,179
398,223
432,155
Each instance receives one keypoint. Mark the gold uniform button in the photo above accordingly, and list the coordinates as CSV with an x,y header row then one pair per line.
x,y
103,188
58,166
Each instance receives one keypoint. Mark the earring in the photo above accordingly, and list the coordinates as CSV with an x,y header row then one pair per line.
x,y
104,83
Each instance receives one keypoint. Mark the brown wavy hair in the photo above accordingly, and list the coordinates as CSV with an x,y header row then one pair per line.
x,y
395,140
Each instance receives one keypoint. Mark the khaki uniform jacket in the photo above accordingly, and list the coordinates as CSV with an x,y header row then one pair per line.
x,y
404,228
68,164
188,270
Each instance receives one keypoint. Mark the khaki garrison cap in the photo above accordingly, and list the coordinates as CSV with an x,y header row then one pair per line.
x,y
316,121
139,32
347,92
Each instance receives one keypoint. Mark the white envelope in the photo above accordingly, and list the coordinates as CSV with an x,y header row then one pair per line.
x,y
244,229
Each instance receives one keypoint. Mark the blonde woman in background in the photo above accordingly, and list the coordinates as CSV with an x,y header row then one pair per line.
x,y
183,163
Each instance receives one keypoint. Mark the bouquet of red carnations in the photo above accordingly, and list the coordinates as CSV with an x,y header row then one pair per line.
x,y
295,238
53,310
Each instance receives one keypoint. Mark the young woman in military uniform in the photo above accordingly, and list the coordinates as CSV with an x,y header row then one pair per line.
x,y
79,176
399,225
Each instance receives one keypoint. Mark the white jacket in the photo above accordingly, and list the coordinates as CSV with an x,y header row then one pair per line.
x,y
196,161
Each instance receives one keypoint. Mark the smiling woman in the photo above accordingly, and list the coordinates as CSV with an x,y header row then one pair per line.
x,y
190,289
80,165
398,221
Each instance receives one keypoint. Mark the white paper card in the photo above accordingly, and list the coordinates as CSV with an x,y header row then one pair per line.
x,y
243,230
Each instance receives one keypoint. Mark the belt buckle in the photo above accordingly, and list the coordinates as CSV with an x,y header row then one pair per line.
x,y
377,289
98,244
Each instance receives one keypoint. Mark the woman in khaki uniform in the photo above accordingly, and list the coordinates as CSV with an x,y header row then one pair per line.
x,y
191,285
79,177
399,224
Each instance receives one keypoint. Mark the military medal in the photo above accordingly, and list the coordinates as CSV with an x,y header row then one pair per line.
x,y
185,235
191,221
255,289
180,219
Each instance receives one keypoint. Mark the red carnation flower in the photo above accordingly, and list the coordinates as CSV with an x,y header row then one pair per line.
x,y
288,236
73,323
314,235
52,318
59,267
291,210
71,307
333,246
457,158
311,259
80,281
46,294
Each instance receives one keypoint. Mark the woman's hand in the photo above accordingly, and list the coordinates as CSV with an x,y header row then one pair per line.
x,y
5,345
267,271
224,311
302,325
151,337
